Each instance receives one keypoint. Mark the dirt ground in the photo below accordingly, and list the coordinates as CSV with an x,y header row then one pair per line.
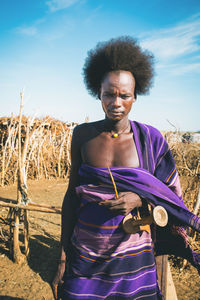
x,y
32,280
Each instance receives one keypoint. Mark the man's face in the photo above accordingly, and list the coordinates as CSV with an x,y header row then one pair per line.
x,y
117,94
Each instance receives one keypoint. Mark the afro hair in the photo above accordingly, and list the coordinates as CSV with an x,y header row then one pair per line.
x,y
122,53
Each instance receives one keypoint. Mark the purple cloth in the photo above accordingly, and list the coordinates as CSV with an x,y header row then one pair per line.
x,y
146,185
107,263
171,239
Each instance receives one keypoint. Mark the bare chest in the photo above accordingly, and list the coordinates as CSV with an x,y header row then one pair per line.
x,y
105,151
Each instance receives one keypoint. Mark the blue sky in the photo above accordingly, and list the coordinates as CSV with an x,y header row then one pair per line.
x,y
44,45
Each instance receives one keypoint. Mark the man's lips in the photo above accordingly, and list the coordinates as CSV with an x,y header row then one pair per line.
x,y
115,112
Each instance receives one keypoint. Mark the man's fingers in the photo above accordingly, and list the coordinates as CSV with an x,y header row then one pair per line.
x,y
112,202
117,209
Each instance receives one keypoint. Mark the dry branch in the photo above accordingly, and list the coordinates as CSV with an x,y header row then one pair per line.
x,y
32,208
45,148
197,204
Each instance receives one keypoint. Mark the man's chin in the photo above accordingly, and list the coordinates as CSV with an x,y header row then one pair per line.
x,y
115,117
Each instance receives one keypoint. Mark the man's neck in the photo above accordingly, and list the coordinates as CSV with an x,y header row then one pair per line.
x,y
116,126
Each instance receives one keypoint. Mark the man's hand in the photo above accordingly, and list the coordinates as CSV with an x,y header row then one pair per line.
x,y
57,281
123,205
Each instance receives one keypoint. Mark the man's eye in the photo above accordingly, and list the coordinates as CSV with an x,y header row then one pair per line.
x,y
109,95
125,96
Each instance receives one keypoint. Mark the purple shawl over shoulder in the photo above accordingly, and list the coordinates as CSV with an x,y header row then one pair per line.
x,y
156,181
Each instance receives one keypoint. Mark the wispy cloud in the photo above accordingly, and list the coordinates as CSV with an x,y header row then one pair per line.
x,y
55,5
181,68
175,42
177,49
93,14
26,30
30,30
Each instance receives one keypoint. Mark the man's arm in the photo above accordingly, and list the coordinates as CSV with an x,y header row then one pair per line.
x,y
69,210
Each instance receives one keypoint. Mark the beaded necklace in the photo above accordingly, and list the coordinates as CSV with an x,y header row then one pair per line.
x,y
116,134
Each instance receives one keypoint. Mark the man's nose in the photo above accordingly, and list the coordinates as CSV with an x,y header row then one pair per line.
x,y
116,101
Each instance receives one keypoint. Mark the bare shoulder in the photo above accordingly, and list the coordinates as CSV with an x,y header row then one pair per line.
x,y
81,134
86,130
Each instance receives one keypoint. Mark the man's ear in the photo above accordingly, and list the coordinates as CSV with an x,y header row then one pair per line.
x,y
134,99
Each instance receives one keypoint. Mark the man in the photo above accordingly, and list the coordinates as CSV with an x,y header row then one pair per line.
x,y
104,262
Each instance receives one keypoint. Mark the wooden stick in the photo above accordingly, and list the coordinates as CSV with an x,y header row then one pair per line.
x,y
35,204
196,209
113,182
40,209
44,205
197,205
26,233
17,255
142,224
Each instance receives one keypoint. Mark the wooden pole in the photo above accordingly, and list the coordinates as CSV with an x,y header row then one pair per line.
x,y
23,189
26,233
17,255
195,211
44,205
197,204
31,208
